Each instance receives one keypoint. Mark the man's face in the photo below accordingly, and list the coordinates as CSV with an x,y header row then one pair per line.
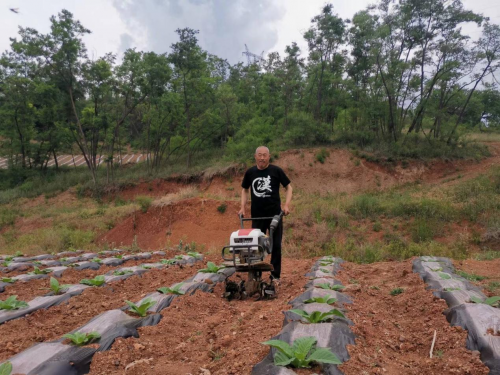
x,y
262,158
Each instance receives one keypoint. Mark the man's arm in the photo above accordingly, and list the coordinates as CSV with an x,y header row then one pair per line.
x,y
289,190
244,199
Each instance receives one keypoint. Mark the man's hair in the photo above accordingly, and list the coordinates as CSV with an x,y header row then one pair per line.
x,y
262,147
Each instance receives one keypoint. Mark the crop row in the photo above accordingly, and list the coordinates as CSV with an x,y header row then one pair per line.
x,y
468,308
315,330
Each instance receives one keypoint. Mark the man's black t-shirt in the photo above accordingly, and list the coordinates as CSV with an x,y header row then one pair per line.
x,y
265,186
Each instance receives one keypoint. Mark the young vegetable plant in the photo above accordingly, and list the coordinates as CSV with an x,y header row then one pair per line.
x,y
38,271
96,281
212,268
492,301
318,316
37,262
397,291
122,272
168,261
64,259
179,257
141,309
324,270
6,263
81,339
119,256
9,259
301,353
334,287
97,260
444,276
194,254
8,280
325,299
12,303
451,289
55,287
6,368
174,290
146,267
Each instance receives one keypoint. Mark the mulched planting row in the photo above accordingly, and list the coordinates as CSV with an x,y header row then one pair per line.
x,y
481,320
333,335
59,357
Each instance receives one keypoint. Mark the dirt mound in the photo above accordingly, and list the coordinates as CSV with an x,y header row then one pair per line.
x,y
195,219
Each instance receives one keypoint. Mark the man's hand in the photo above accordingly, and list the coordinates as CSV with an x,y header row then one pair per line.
x,y
242,212
286,209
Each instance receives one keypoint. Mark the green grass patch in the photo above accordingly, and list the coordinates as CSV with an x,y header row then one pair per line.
x,y
471,276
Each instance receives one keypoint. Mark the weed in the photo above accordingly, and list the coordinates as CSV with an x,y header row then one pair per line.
x,y
321,155
12,303
397,291
222,208
353,281
471,276
487,255
141,309
176,289
374,287
318,316
301,353
81,339
217,355
211,268
96,281
439,353
119,256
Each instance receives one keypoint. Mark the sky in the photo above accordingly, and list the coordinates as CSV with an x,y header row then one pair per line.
x,y
225,25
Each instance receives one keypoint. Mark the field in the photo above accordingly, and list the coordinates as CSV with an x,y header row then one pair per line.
x,y
394,224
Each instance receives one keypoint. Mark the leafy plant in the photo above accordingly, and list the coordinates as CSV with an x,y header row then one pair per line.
x,y
9,258
8,280
325,299
471,276
37,262
325,263
397,291
492,301
301,353
122,272
212,268
439,269
222,208
451,289
318,316
38,271
146,267
334,287
12,303
56,287
6,263
6,368
64,259
179,257
444,276
96,281
119,256
97,260
324,270
18,254
176,289
141,309
194,254
80,339
168,261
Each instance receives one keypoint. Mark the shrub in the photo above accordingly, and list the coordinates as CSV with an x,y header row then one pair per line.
x,y
321,155
144,202
222,208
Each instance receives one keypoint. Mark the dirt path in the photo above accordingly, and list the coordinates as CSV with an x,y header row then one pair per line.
x,y
395,332
205,331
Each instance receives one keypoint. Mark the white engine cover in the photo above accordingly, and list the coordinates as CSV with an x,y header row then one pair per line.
x,y
246,237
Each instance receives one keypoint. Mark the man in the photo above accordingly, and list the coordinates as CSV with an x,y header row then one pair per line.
x,y
264,179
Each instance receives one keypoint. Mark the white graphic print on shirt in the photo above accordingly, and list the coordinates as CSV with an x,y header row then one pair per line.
x,y
260,185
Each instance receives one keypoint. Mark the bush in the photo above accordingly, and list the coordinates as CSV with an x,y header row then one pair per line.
x,y
303,130
222,208
321,155
144,202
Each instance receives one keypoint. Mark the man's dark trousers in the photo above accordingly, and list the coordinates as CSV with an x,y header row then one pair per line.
x,y
264,225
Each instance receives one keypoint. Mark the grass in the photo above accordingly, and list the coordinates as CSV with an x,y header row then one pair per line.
x,y
471,276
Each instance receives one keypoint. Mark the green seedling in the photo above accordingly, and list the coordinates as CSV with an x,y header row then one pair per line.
x,y
9,258
146,267
325,264
37,262
12,303
18,254
194,254
451,289
318,316
212,268
8,280
6,368
57,288
101,253
38,271
122,272
97,260
397,291
141,309
178,257
168,261
437,269
301,353
96,281
492,301
324,270
6,263
444,276
73,265
334,287
119,256
174,290
64,259
325,299
81,339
